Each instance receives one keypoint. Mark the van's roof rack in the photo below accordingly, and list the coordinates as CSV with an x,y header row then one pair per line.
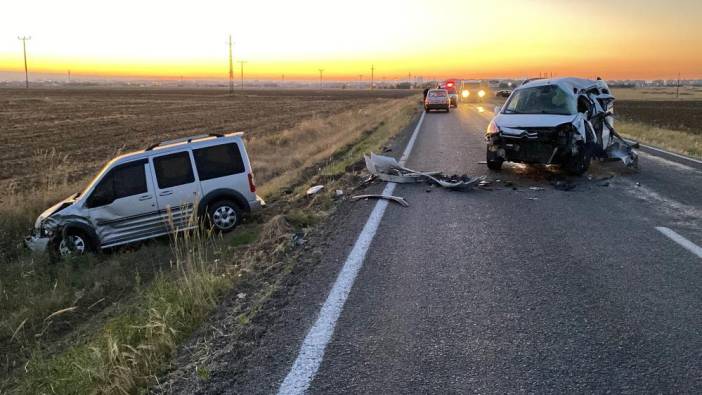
x,y
183,140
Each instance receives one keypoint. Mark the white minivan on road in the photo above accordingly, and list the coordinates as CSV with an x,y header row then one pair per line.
x,y
151,193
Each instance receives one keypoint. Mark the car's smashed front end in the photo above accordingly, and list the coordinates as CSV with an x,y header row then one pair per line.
x,y
47,227
546,139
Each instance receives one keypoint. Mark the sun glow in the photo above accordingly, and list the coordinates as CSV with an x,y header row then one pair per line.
x,y
459,39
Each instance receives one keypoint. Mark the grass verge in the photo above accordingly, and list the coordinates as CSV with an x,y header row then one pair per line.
x,y
109,324
674,140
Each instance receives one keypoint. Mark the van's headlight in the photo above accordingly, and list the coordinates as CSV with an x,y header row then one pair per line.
x,y
481,93
465,93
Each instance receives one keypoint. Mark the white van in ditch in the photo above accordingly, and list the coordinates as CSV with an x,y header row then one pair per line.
x,y
150,193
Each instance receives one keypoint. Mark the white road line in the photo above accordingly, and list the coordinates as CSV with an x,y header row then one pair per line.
x,y
685,243
311,353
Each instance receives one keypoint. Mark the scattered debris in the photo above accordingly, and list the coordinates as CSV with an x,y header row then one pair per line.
x,y
339,193
395,199
638,184
386,148
313,190
241,295
562,185
482,162
533,198
536,188
388,169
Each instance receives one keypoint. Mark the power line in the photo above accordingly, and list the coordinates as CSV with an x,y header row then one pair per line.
x,y
24,50
321,71
231,68
242,62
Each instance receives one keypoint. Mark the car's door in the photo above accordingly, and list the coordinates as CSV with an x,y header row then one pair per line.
x,y
177,189
122,206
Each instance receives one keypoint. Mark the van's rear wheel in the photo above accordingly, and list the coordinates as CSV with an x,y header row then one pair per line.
x,y
224,216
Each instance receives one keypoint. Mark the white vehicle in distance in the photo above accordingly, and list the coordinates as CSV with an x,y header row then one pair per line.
x,y
437,99
564,121
150,193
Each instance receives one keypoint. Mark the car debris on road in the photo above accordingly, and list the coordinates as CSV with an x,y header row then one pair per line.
x,y
313,190
389,170
399,200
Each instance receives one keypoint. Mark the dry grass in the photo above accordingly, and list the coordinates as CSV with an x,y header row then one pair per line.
x,y
665,93
106,324
279,158
677,141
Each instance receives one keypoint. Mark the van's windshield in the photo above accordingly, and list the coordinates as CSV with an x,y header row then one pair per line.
x,y
547,99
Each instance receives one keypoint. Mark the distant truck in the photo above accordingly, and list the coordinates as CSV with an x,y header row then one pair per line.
x,y
474,90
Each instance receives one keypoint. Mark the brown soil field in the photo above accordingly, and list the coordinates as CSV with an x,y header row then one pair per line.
x,y
676,115
79,129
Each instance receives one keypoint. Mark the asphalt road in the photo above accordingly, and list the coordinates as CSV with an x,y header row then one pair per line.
x,y
509,289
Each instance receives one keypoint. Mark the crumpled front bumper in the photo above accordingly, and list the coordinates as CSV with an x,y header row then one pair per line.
x,y
37,243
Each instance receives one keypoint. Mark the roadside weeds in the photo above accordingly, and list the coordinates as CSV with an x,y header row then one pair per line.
x,y
140,305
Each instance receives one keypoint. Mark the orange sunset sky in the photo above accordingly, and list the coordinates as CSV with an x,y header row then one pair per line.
x,y
509,38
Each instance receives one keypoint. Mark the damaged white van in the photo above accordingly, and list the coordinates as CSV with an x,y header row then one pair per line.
x,y
566,121
150,193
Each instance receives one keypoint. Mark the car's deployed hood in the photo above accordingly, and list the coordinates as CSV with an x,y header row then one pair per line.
x,y
532,120
54,209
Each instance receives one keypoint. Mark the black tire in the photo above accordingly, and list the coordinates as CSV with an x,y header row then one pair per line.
x,y
579,163
494,162
448,109
426,109
223,216
76,243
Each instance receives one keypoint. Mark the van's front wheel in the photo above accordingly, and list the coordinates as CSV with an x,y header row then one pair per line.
x,y
224,216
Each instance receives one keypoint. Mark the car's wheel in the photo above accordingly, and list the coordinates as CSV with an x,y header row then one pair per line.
x,y
223,216
426,109
74,243
494,162
579,163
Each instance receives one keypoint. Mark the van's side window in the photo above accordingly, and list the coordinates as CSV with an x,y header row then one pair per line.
x,y
218,161
173,170
122,181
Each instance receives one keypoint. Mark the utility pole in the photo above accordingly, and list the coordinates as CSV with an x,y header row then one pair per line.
x,y
321,71
231,69
372,76
242,62
24,50
677,88
69,76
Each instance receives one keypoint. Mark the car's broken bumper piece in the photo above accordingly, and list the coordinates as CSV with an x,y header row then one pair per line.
x,y
37,243
389,170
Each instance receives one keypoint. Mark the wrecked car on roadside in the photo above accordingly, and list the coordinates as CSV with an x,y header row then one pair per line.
x,y
151,193
565,121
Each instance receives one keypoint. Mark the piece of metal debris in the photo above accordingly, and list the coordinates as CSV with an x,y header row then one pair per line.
x,y
533,198
339,193
241,295
395,199
313,190
536,188
389,170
